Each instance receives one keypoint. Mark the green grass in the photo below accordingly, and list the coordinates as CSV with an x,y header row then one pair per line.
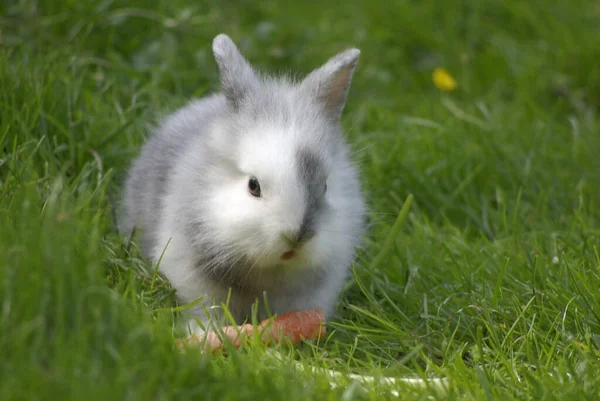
x,y
491,280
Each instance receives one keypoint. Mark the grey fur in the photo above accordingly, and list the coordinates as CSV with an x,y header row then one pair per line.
x,y
145,183
237,76
188,189
310,172
331,82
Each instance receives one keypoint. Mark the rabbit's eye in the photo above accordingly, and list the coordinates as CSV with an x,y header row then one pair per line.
x,y
325,188
254,187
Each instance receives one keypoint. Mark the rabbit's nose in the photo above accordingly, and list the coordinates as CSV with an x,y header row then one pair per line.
x,y
290,238
306,230
297,237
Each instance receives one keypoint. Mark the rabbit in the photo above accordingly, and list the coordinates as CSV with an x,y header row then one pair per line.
x,y
250,194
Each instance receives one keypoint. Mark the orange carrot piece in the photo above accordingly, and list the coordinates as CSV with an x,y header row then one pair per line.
x,y
297,325
293,326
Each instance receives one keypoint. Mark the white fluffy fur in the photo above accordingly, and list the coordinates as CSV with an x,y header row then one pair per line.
x,y
189,189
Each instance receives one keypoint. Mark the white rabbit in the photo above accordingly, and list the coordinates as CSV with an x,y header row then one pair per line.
x,y
252,191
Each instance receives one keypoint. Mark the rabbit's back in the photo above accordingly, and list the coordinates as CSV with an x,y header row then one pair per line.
x,y
146,184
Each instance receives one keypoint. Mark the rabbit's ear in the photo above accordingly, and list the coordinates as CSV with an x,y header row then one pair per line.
x,y
329,84
237,76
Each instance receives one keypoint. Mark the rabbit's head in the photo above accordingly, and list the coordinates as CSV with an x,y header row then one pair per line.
x,y
277,184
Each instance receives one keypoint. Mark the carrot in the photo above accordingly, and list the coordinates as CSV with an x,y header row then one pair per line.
x,y
298,325
293,326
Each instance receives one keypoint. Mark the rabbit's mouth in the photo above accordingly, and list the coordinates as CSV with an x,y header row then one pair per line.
x,y
288,255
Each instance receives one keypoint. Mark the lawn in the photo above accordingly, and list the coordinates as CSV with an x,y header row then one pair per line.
x,y
491,280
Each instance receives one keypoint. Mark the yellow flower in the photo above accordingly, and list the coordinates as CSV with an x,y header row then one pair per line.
x,y
443,80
